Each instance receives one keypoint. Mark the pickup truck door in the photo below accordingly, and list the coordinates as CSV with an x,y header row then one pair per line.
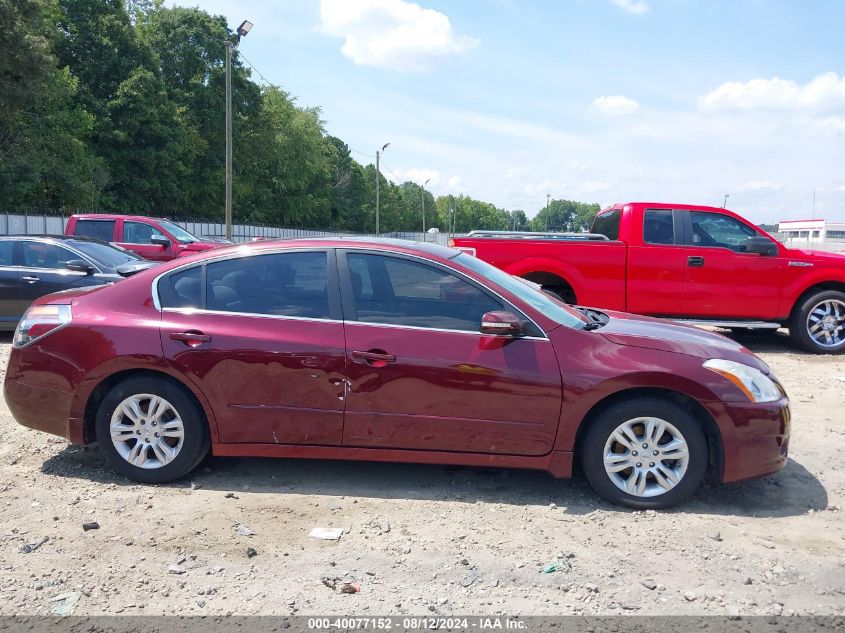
x,y
137,237
723,281
657,264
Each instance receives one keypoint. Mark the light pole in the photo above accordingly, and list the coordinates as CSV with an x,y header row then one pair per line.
x,y
243,29
725,201
422,199
548,198
378,178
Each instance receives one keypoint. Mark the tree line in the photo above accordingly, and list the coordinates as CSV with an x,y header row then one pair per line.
x,y
117,106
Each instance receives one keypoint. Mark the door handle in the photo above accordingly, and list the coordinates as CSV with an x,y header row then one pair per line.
x,y
191,339
30,279
695,260
378,358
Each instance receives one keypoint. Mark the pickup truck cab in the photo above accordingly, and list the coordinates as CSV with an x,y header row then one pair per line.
x,y
699,264
152,238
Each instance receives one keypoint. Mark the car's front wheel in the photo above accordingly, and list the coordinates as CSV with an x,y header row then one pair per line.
x,y
644,453
151,430
818,323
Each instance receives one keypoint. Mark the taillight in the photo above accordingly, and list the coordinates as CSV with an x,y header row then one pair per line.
x,y
40,321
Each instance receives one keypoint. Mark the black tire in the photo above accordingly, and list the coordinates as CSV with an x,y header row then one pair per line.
x,y
798,329
195,444
602,427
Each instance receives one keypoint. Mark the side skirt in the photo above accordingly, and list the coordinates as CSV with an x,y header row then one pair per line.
x,y
557,463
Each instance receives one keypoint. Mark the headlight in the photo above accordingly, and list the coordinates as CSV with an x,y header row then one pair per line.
x,y
756,385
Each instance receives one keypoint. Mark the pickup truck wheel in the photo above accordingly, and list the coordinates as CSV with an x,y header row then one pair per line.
x,y
644,453
818,323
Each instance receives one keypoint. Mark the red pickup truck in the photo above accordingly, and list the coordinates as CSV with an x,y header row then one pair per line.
x,y
152,238
699,264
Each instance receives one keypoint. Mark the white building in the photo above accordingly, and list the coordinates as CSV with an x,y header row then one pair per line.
x,y
814,234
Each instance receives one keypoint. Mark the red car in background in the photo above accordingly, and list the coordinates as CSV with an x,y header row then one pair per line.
x,y
389,351
705,265
155,239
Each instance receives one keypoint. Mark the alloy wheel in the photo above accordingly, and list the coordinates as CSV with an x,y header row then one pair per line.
x,y
646,456
147,431
826,323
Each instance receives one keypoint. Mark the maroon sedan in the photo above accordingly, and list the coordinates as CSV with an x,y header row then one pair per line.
x,y
389,351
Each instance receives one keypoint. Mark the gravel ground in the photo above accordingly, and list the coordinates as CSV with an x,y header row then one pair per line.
x,y
424,539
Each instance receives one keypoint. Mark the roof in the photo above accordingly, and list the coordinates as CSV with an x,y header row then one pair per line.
x,y
113,216
65,238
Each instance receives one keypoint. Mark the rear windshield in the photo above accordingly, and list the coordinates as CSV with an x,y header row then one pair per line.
x,y
607,224
100,229
105,254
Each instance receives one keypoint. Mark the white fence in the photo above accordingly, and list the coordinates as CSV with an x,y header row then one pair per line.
x,y
39,224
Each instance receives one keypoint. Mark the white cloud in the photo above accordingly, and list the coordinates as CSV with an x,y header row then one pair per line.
x,y
454,183
637,7
391,34
592,186
823,92
418,175
615,104
761,185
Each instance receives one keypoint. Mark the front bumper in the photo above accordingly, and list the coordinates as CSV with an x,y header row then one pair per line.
x,y
759,445
43,409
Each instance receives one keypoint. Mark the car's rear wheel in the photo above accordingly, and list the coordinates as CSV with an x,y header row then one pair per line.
x,y
818,323
644,453
151,430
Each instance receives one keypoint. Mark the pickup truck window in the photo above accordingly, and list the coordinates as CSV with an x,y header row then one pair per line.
x,y
658,227
100,229
178,232
607,224
716,230
139,233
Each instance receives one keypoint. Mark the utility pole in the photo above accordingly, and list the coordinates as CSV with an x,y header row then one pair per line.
x,y
243,29
725,201
378,178
814,202
422,199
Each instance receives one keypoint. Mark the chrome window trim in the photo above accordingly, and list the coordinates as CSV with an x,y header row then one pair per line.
x,y
285,317
364,249
437,329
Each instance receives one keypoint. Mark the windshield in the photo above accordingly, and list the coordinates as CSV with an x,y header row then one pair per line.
x,y
525,290
178,232
108,256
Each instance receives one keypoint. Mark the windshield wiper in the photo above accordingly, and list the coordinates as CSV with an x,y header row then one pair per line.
x,y
596,319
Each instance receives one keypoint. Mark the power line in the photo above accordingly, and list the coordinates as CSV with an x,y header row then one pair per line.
x,y
258,72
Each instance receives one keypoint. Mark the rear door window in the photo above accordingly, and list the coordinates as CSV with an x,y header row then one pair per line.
x,y
280,284
182,289
658,227
607,224
100,229
396,291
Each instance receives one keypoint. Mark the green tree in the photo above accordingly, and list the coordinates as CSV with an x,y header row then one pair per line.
x,y
565,216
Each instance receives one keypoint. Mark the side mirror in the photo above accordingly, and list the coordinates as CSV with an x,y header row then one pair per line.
x,y
501,323
79,266
160,240
761,246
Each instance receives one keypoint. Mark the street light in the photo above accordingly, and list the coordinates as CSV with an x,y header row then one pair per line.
x,y
378,178
243,29
725,201
422,198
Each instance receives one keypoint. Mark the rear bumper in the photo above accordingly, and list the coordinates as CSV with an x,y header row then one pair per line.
x,y
43,409
760,442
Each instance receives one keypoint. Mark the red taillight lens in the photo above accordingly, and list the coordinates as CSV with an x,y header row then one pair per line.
x,y
40,321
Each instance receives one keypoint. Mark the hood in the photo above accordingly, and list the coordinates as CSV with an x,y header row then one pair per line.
x,y
196,247
669,336
823,257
